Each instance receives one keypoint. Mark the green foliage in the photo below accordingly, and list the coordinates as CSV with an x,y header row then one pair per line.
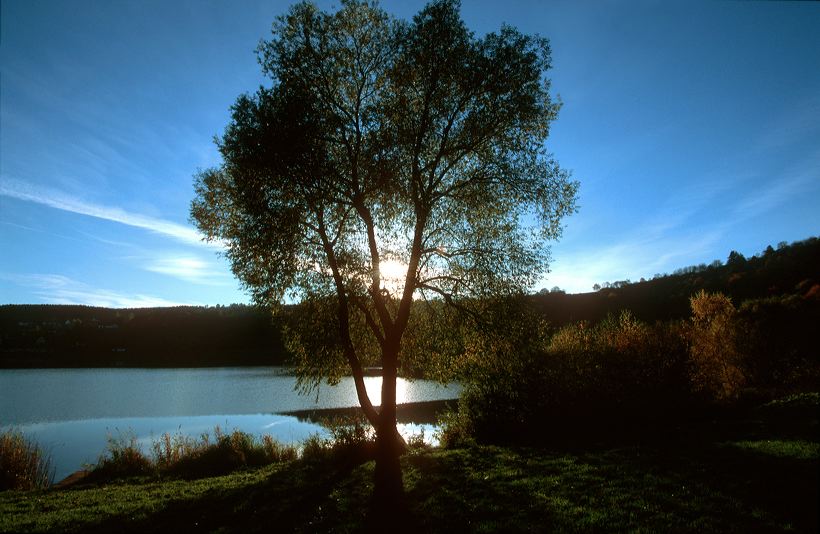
x,y
351,431
416,444
456,428
433,346
230,452
23,464
377,141
313,340
276,452
315,449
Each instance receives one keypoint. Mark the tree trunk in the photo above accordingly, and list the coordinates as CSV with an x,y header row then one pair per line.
x,y
389,488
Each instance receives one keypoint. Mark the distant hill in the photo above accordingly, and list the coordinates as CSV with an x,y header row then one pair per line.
x,y
186,336
788,270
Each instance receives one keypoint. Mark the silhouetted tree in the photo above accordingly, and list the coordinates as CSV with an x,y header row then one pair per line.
x,y
417,144
736,261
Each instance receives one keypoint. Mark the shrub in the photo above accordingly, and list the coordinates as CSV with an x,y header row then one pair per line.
x,y
530,386
123,458
456,428
189,457
23,465
186,456
779,342
353,439
168,450
417,444
714,352
351,431
315,448
276,452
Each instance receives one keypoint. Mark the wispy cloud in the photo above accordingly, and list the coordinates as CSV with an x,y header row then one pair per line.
x,y
62,201
697,224
801,179
189,269
59,289
640,256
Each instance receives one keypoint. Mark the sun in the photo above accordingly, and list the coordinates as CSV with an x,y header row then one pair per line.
x,y
392,273
392,270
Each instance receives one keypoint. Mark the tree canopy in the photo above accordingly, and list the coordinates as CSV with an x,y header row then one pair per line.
x,y
387,162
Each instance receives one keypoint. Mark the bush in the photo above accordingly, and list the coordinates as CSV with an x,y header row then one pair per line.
x,y
185,456
276,452
714,347
416,443
530,386
456,428
315,448
23,465
123,458
188,457
779,341
169,450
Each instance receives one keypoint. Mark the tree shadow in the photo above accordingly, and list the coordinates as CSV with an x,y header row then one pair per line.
x,y
298,497
687,485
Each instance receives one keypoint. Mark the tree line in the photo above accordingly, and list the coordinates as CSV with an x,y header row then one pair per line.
x,y
183,336
776,281
791,269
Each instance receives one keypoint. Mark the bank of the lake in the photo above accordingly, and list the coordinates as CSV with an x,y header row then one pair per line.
x,y
746,469
71,413
703,488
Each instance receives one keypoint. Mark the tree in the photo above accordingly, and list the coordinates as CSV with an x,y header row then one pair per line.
x,y
736,261
387,163
715,357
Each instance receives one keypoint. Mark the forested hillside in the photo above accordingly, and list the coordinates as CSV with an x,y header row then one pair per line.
x,y
785,282
774,273
69,336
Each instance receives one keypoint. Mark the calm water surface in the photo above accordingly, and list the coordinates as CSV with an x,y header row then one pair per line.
x,y
71,412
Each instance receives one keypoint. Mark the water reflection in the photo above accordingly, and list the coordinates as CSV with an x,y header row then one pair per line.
x,y
73,444
70,412
38,395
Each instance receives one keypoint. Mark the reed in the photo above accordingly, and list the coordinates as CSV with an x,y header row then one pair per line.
x,y
188,457
23,464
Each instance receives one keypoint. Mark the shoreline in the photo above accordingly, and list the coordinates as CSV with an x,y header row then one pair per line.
x,y
422,412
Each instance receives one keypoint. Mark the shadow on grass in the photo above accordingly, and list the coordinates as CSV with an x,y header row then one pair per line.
x,y
491,489
751,472
498,489
296,497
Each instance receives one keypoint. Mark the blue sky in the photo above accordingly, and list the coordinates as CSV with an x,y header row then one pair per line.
x,y
694,129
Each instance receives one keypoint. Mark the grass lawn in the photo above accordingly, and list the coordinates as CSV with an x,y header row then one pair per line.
x,y
759,474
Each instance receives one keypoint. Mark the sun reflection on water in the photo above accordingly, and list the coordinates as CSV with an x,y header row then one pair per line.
x,y
373,385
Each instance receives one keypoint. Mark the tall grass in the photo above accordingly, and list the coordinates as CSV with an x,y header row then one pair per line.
x,y
123,458
23,465
186,456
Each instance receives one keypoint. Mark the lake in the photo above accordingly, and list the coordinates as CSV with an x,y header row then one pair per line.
x,y
71,412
